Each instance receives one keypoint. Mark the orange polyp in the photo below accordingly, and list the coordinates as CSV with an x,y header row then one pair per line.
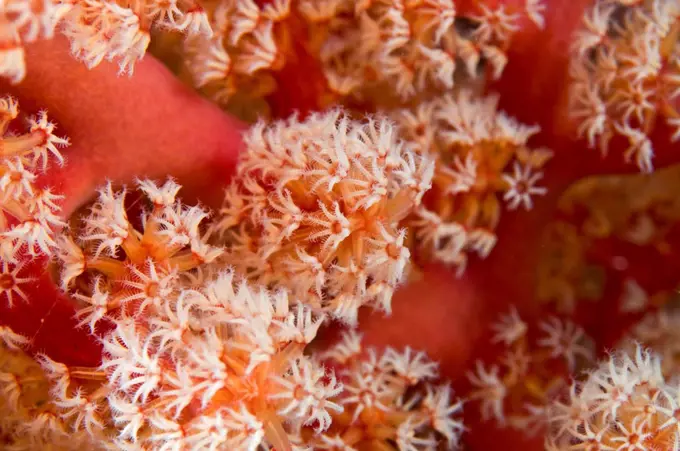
x,y
358,246
152,248
301,194
78,372
108,266
670,41
16,209
19,145
399,207
346,193
185,261
274,432
235,365
352,435
133,248
281,361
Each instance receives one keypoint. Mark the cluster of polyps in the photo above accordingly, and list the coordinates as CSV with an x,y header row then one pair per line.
x,y
389,399
393,49
242,381
98,29
534,366
626,74
121,29
481,154
195,358
218,366
29,419
406,48
640,211
28,213
315,207
248,44
47,405
221,366
131,270
626,404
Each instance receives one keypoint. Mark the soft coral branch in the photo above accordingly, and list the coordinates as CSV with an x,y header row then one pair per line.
x,y
122,128
147,125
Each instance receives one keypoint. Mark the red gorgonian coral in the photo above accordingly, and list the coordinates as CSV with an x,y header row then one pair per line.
x,y
154,340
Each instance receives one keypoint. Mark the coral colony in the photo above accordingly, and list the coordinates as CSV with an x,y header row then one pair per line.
x,y
213,326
